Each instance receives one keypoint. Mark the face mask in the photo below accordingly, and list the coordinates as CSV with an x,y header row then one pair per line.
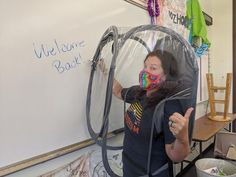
x,y
148,81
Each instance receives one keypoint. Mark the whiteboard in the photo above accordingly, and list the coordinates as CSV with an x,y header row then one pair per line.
x,y
45,52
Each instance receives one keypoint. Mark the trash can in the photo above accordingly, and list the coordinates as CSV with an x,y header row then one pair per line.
x,y
207,163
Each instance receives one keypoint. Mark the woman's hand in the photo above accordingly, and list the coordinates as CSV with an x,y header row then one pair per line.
x,y
180,148
179,125
117,88
102,66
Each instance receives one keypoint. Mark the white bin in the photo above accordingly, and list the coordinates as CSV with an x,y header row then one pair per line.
x,y
206,163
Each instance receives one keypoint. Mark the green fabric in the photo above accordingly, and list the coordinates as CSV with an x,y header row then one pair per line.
x,y
197,22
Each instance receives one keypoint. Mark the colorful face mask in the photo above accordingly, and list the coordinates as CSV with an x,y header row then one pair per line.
x,y
148,81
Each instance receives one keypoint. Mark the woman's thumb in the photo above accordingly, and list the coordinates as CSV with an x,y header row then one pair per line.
x,y
188,113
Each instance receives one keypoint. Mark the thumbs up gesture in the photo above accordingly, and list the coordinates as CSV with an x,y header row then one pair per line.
x,y
179,124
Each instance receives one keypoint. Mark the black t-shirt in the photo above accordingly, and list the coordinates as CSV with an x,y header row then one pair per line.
x,y
138,120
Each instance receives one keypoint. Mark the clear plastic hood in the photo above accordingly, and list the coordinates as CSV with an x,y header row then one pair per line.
x,y
120,55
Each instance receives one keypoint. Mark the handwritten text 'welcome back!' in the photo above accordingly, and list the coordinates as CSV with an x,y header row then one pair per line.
x,y
60,52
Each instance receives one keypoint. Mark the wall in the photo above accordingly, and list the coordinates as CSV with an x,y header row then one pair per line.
x,y
220,36
206,7
222,49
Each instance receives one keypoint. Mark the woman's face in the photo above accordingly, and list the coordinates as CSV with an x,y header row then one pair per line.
x,y
153,65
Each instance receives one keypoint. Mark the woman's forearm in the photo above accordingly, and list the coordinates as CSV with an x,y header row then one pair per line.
x,y
179,150
117,88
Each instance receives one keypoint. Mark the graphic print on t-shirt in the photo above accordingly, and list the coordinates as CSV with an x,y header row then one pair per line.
x,y
133,117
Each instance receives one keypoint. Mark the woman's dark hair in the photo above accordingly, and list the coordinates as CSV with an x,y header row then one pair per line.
x,y
168,62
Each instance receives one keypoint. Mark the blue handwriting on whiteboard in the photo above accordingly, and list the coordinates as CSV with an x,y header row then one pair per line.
x,y
44,51
66,66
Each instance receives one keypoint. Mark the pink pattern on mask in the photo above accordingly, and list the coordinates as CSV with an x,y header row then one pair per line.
x,y
148,81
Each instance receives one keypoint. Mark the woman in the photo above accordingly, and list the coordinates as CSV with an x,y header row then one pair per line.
x,y
158,80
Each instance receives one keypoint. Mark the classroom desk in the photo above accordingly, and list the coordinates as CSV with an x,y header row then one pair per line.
x,y
205,129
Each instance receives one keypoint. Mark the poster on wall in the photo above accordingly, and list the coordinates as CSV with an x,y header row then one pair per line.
x,y
172,14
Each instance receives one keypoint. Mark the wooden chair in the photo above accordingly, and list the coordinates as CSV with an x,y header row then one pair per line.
x,y
211,93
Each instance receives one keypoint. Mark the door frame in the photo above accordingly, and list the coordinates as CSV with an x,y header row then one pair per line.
x,y
234,62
